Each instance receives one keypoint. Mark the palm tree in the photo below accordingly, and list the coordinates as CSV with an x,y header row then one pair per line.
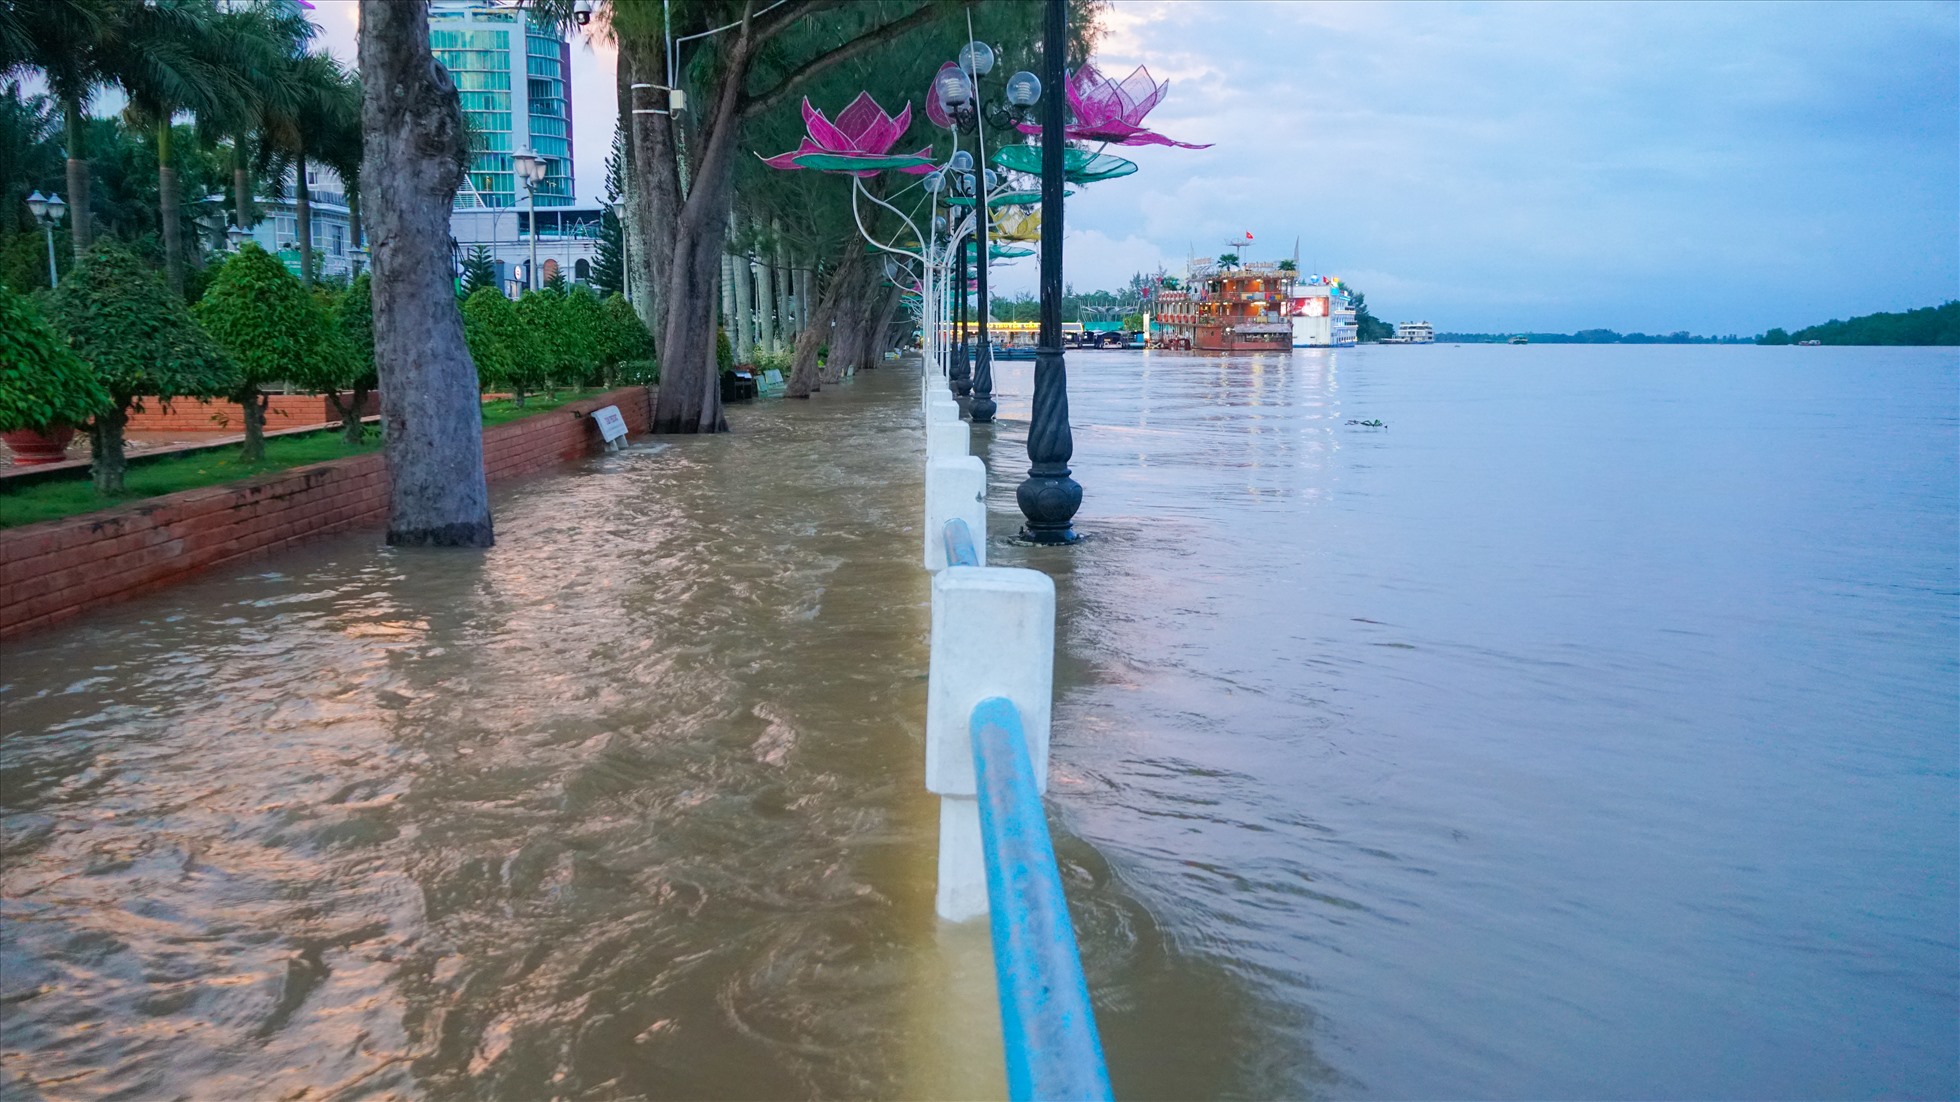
x,y
325,120
257,40
166,62
65,40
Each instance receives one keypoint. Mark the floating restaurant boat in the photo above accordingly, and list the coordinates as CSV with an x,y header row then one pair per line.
x,y
1322,313
1235,308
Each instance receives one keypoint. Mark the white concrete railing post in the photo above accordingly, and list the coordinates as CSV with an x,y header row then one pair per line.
x,y
948,438
993,634
956,486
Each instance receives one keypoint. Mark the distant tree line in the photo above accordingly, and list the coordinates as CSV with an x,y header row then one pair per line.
x,y
1927,325
1593,336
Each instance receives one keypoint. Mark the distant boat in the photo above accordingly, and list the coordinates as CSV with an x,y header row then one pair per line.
x,y
1520,340
1810,344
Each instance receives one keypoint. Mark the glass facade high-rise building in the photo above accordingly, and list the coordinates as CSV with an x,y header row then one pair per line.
x,y
514,76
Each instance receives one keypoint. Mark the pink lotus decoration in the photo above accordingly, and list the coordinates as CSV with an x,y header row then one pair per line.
x,y
1112,111
859,142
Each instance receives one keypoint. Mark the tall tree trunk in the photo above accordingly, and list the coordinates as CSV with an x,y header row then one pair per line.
x,y
765,310
411,123
803,377
653,195
303,210
785,310
804,282
728,304
170,210
81,226
786,300
105,437
690,384
241,186
881,330
742,326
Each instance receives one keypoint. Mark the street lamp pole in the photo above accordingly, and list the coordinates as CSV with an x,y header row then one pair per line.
x,y
962,373
532,168
1049,498
47,211
981,410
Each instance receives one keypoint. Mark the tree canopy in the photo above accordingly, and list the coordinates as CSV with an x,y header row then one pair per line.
x,y
1928,325
122,321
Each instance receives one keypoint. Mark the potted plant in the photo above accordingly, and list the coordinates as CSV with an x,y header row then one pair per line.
x,y
45,391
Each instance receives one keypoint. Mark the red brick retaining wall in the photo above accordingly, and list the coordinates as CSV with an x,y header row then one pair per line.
x,y
57,569
283,411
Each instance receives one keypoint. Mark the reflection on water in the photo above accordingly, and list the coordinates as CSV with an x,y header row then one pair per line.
x,y
1588,731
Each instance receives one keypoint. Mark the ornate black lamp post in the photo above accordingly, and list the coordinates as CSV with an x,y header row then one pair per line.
x,y
1049,497
962,376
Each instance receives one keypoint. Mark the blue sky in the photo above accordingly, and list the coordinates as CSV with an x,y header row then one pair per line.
x,y
1494,167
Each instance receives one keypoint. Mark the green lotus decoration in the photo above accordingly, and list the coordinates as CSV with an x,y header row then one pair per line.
x,y
1079,166
1004,199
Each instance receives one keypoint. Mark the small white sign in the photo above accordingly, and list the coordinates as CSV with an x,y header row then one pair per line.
x,y
772,377
611,425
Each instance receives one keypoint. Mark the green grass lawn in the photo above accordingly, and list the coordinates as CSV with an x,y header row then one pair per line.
x,y
503,409
68,496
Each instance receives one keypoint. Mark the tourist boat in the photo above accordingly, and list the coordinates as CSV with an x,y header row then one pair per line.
x,y
1235,308
1520,340
1415,332
1322,313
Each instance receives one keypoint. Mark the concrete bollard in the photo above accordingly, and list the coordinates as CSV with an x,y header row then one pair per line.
x,y
942,407
993,634
945,438
956,486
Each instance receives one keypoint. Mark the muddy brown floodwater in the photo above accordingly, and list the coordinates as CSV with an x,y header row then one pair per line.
x,y
629,806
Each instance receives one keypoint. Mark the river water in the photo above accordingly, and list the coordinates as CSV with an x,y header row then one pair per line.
x,y
1589,731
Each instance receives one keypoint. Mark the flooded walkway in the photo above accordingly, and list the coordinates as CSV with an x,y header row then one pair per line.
x,y
630,806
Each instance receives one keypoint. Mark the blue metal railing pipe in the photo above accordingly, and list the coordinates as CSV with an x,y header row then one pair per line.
x,y
959,544
1047,1024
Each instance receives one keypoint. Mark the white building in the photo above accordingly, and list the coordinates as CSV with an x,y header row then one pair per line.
x,y
277,231
568,242
514,77
1322,313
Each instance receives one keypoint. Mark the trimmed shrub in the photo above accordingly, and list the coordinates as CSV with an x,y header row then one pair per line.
x,y
273,330
581,322
541,314
498,341
139,338
42,384
622,339
350,327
